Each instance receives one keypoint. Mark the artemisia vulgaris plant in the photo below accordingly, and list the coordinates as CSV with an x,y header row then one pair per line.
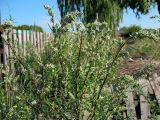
x,y
74,77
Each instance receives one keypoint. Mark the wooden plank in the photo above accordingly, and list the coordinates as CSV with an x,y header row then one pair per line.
x,y
20,41
27,40
10,50
24,41
41,38
45,38
14,37
157,80
86,115
5,52
145,108
131,112
156,89
124,115
38,44
42,41
14,43
35,40
49,35
149,87
27,36
31,38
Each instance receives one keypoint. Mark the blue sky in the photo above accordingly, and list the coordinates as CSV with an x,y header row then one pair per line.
x,y
129,18
32,12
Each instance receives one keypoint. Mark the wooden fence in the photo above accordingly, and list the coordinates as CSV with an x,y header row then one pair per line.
x,y
138,107
21,37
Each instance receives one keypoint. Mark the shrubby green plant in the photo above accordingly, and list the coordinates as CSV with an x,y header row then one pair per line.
x,y
146,44
74,77
126,32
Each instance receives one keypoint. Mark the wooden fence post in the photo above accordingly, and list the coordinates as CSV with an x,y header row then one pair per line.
x,y
10,50
156,87
130,105
41,39
34,40
20,41
24,41
38,42
31,38
5,52
28,41
145,108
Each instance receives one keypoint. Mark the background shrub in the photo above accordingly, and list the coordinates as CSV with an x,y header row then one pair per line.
x,y
29,27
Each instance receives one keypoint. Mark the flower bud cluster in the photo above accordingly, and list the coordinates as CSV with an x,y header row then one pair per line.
x,y
50,12
8,25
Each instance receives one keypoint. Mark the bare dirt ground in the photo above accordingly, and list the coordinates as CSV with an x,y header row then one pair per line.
x,y
130,68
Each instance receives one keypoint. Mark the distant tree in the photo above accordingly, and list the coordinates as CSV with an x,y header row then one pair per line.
x,y
104,10
110,11
127,31
133,29
139,6
29,27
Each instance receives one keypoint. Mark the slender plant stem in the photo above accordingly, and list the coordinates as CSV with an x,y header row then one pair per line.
x,y
91,116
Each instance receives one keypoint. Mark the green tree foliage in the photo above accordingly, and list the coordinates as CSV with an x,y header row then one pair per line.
x,y
128,31
104,10
133,29
110,11
146,44
139,6
29,27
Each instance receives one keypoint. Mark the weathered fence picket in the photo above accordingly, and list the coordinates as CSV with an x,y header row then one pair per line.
x,y
41,39
145,109
5,53
130,105
156,88
31,38
24,41
19,40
